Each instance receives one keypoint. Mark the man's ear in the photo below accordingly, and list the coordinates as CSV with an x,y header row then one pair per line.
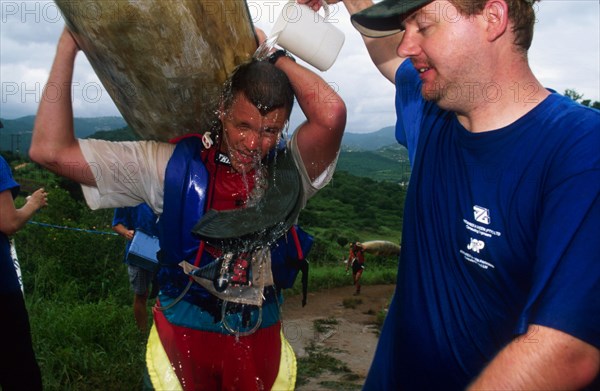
x,y
495,14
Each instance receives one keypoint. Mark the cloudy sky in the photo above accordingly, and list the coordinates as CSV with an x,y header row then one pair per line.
x,y
565,54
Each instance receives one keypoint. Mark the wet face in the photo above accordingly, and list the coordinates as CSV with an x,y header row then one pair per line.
x,y
249,135
447,49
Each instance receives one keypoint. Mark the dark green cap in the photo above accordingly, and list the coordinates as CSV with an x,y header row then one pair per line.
x,y
385,17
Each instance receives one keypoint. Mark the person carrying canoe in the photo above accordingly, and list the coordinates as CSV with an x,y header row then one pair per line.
x,y
227,200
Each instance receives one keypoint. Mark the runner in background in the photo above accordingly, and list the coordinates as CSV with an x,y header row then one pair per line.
x,y
356,259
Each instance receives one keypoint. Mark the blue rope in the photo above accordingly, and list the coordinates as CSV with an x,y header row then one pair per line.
x,y
73,229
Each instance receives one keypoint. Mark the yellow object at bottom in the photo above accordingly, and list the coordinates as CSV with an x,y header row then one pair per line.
x,y
159,367
163,377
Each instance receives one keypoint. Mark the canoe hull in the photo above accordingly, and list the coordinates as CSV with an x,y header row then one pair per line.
x,y
381,247
163,62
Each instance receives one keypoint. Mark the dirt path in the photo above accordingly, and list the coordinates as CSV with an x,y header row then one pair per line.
x,y
351,340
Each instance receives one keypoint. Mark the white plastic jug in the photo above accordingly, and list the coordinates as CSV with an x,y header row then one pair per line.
x,y
308,35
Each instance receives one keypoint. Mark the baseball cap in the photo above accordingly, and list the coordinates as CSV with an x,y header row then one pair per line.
x,y
385,17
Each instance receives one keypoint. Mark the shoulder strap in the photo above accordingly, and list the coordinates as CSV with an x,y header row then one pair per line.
x,y
302,262
184,168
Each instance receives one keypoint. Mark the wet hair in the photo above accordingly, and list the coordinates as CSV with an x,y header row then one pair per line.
x,y
263,84
520,12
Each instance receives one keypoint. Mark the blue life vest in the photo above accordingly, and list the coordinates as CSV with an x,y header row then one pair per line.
x,y
185,197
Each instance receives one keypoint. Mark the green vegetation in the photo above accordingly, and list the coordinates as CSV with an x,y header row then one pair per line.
x,y
379,320
577,97
385,164
77,291
123,134
373,165
324,325
16,134
317,361
353,208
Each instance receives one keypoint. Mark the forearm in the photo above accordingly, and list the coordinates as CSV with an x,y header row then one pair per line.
x,y
318,100
53,143
119,229
354,6
320,136
14,219
123,231
381,50
544,359
23,215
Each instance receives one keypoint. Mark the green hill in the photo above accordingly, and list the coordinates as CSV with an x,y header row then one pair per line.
x,y
83,126
386,164
15,136
369,141
356,208
123,134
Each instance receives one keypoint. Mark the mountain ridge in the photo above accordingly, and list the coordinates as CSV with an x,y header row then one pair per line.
x,y
16,133
370,141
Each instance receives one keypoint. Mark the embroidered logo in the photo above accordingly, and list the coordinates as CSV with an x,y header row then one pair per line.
x,y
476,245
481,214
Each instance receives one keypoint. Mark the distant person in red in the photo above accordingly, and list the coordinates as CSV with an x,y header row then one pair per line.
x,y
356,258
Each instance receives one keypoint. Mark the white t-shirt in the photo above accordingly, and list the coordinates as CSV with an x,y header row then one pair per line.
x,y
131,172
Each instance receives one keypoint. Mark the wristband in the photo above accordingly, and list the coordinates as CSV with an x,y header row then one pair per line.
x,y
276,55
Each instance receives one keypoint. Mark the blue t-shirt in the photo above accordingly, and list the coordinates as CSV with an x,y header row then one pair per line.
x,y
9,282
140,217
501,230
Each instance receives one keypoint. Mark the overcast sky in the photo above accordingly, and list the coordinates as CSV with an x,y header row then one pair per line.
x,y
565,54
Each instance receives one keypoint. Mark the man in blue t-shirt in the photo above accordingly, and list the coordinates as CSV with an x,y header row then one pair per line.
x,y
126,222
499,283
18,367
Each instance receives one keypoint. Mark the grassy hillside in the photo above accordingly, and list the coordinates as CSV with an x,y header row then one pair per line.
x,y
386,164
354,208
123,134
